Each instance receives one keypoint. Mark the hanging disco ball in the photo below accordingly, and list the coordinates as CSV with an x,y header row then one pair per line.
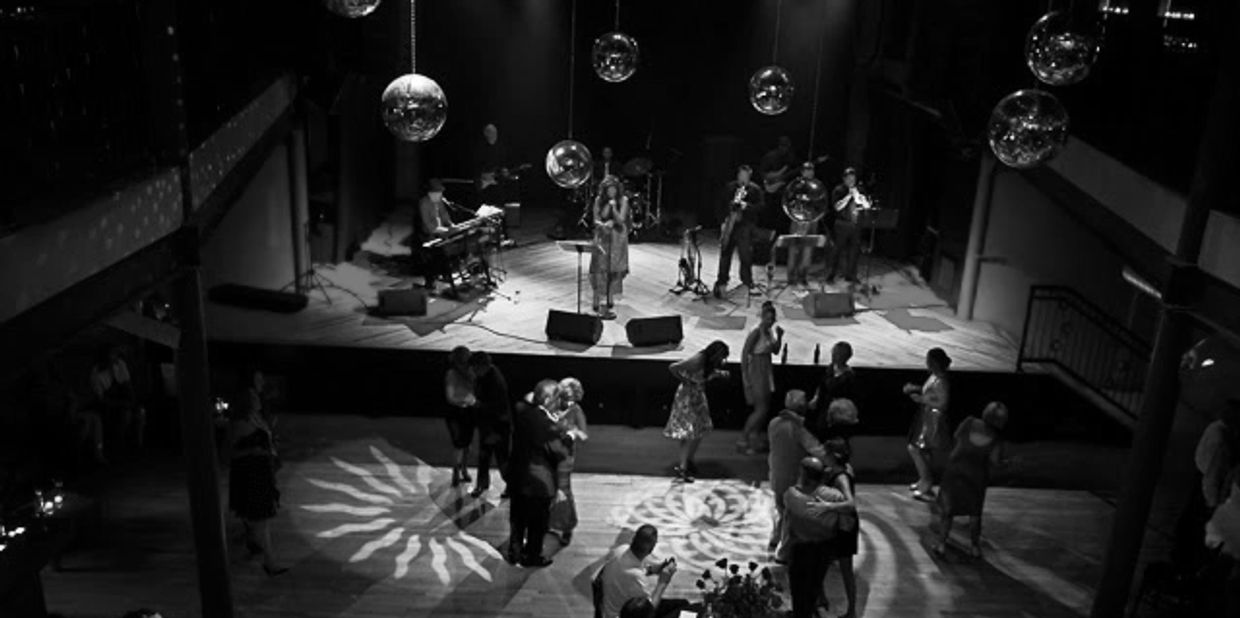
x,y
569,164
615,56
805,200
351,8
414,107
1028,128
1059,53
770,90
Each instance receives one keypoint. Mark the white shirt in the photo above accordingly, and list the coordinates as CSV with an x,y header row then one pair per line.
x,y
624,577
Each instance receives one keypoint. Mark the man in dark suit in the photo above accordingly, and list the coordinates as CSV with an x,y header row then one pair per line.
x,y
494,421
538,474
741,202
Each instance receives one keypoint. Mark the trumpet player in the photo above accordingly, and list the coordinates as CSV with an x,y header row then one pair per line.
x,y
847,202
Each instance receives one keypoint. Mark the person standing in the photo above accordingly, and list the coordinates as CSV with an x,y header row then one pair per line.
x,y
928,431
758,374
571,423
801,256
690,420
538,475
609,262
494,421
847,201
462,414
776,164
739,209
837,382
790,443
812,524
115,397
252,492
963,491
606,165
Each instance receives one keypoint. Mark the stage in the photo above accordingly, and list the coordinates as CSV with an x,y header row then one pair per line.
x,y
893,329
370,526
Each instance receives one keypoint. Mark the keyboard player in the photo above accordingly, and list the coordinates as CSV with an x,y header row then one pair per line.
x,y
433,213
450,246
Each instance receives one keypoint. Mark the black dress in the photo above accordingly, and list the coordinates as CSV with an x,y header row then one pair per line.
x,y
252,492
844,543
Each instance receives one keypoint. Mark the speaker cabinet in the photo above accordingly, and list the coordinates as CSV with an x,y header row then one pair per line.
x,y
402,302
257,298
828,305
644,332
574,327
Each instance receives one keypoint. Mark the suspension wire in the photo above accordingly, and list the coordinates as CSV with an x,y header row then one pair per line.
x,y
617,26
413,36
775,44
813,119
572,64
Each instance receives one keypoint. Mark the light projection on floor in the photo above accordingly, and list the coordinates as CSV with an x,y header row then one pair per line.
x,y
705,521
395,519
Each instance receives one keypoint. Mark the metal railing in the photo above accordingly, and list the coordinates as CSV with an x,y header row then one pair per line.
x,y
1067,332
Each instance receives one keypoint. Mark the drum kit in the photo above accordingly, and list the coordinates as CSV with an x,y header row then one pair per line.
x,y
641,184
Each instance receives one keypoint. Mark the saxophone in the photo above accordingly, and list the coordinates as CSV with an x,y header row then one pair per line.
x,y
737,204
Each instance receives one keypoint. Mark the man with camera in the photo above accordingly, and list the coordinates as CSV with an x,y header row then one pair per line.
x,y
627,576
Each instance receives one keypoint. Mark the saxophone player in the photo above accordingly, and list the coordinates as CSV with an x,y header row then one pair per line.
x,y
739,210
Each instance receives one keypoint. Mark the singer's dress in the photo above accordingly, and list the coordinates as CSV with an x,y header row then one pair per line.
x,y
614,241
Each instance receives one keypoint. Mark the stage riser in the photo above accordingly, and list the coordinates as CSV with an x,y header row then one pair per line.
x,y
637,393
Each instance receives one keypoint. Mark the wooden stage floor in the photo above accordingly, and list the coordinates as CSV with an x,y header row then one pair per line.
x,y
370,528
892,330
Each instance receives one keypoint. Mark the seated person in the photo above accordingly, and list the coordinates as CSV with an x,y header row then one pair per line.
x,y
433,216
627,576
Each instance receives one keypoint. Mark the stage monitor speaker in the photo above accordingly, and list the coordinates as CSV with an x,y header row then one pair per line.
x,y
574,327
401,302
257,298
644,332
828,305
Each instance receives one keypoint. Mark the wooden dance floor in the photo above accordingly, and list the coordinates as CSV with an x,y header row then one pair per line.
x,y
892,330
371,528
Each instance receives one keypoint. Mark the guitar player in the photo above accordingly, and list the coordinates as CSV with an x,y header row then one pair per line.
x,y
776,164
740,205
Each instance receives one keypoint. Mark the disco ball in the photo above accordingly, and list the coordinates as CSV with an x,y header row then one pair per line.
x,y
1028,128
770,90
569,164
351,8
414,107
805,200
615,56
1058,52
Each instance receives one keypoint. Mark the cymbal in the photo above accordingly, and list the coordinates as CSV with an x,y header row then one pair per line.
x,y
638,166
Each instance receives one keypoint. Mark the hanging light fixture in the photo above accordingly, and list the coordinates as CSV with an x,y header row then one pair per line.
x,y
413,106
351,8
1060,49
615,54
770,88
1028,128
568,163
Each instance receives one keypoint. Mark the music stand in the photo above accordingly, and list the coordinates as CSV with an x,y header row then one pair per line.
x,y
807,241
580,247
874,219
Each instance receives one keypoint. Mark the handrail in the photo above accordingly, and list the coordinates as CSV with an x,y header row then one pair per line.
x,y
1065,330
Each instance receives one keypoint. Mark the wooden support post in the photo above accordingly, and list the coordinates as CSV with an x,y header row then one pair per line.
x,y
299,200
198,444
982,200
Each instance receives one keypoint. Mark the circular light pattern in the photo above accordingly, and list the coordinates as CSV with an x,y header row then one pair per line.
x,y
1057,53
351,8
615,56
569,164
805,200
414,107
770,90
1027,128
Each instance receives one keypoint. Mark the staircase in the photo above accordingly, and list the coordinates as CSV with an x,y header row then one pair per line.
x,y
1071,338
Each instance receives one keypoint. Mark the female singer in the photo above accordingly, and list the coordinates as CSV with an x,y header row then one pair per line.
x,y
689,420
929,428
758,374
610,262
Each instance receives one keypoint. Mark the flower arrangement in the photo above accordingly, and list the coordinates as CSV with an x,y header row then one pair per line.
x,y
732,594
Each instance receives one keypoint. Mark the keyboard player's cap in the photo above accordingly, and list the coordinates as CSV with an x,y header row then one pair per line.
x,y
434,186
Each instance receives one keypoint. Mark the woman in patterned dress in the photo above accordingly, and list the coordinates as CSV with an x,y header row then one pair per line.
x,y
929,429
572,424
690,420
610,263
758,375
